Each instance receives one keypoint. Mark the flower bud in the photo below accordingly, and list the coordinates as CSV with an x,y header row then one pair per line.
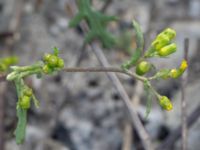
x,y
165,103
143,67
184,65
46,69
53,61
25,102
170,33
46,57
60,63
167,50
174,73
28,92
161,41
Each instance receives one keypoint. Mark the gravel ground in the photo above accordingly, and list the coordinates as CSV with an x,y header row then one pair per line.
x,y
84,111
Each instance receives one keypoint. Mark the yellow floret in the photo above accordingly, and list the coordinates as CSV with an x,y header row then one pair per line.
x,y
184,65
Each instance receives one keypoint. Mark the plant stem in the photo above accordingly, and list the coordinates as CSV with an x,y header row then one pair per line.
x,y
105,69
184,101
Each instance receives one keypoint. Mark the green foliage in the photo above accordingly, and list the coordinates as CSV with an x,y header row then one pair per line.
x,y
97,23
138,51
25,93
5,63
162,46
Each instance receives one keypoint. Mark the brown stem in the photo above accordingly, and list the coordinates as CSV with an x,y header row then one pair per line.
x,y
183,100
105,69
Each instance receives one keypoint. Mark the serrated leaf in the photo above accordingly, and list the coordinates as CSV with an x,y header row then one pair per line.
x,y
21,125
97,23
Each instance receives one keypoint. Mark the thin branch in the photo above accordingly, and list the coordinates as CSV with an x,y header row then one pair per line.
x,y
183,100
144,137
128,131
105,69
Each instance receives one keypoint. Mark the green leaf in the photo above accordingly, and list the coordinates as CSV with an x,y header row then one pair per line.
x,y
21,125
140,45
97,23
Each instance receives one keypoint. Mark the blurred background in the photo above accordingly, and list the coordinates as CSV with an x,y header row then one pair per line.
x,y
84,111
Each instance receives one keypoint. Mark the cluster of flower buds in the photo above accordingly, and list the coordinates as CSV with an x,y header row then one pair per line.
x,y
25,100
162,44
165,103
172,73
52,62
142,68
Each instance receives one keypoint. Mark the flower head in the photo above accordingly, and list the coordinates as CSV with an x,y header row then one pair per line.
x,y
165,103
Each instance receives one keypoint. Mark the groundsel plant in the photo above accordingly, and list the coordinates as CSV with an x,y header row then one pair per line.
x,y
137,67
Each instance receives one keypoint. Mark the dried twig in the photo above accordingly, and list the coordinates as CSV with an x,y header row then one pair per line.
x,y
116,82
183,100
128,131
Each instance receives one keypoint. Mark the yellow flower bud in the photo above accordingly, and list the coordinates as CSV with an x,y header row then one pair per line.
x,y
174,73
161,41
170,33
184,65
143,67
167,50
165,103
